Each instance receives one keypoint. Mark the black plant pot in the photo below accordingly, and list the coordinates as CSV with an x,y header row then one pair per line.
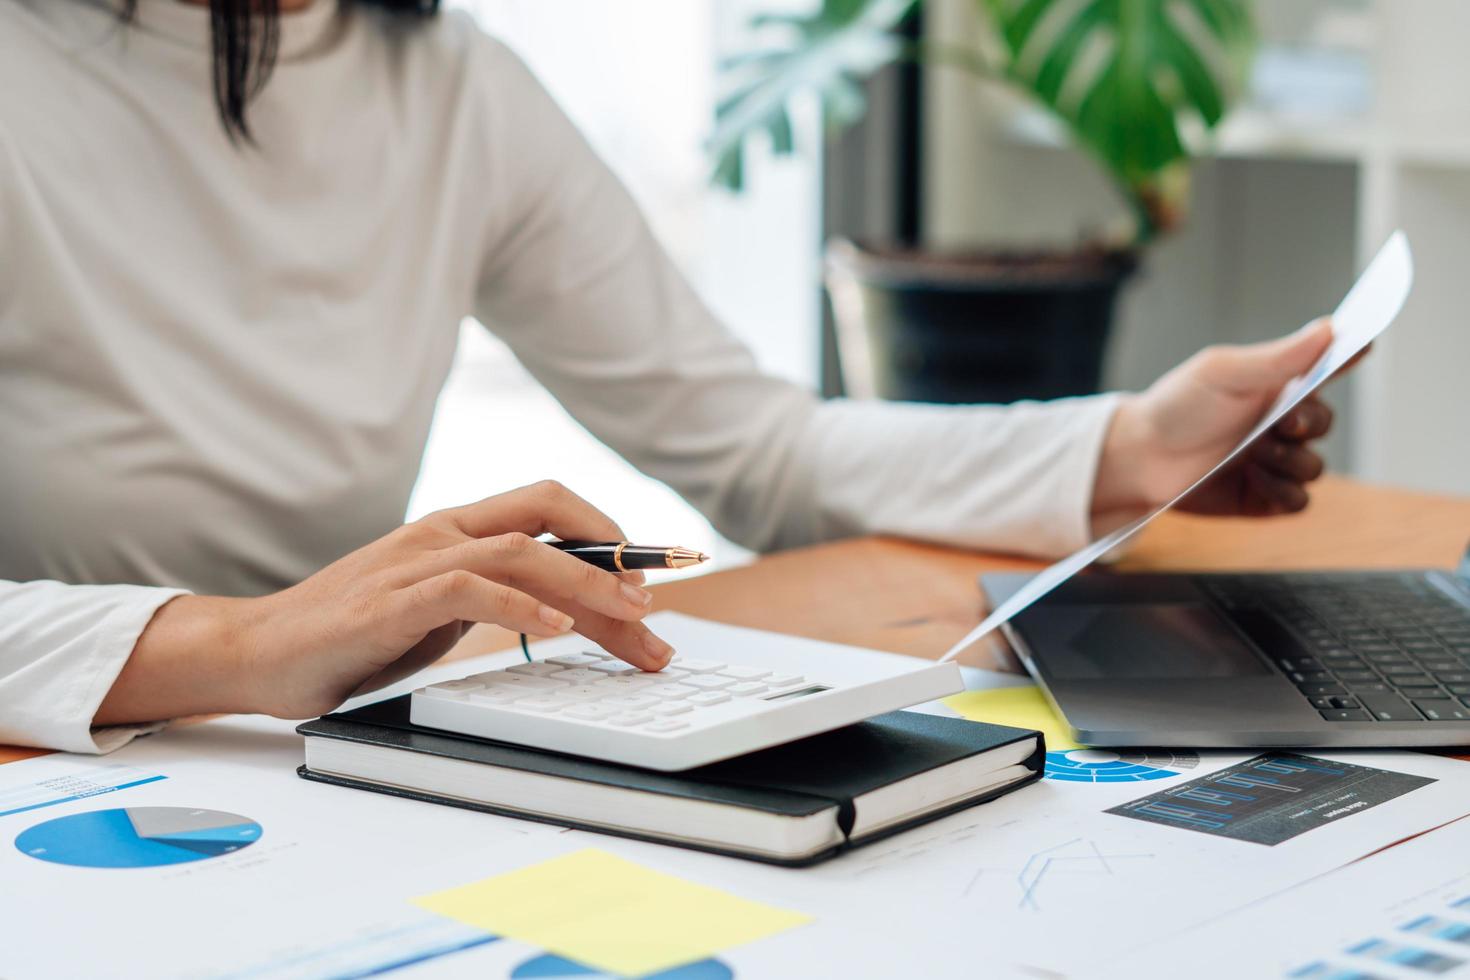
x,y
983,327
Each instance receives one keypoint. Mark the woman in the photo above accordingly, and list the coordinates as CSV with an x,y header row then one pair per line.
x,y
236,246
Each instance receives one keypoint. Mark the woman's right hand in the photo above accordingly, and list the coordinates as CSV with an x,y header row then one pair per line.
x,y
386,611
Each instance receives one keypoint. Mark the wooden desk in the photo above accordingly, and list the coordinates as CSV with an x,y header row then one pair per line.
x,y
919,599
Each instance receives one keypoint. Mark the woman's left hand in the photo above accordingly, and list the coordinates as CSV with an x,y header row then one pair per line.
x,y
1167,437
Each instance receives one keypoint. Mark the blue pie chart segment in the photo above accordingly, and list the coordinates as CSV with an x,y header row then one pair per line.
x,y
138,837
1100,766
549,966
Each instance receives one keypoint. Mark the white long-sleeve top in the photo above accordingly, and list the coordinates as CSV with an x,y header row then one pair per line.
x,y
218,363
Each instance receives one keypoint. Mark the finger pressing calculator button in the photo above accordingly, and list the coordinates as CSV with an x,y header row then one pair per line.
x,y
537,668
614,668
629,701
708,682
575,659
665,725
629,718
706,698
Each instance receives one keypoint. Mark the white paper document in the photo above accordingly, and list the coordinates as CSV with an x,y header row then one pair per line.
x,y
1402,913
1367,310
198,852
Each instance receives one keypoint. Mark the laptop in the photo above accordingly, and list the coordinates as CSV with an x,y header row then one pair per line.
x,y
1367,659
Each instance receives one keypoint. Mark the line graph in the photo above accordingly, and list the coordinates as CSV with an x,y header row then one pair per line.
x,y
1079,856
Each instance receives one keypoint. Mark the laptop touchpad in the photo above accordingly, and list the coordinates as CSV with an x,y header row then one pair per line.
x,y
1177,641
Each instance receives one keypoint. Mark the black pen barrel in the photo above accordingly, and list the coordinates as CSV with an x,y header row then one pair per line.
x,y
619,556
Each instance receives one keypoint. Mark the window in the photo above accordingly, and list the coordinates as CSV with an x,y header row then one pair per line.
x,y
639,78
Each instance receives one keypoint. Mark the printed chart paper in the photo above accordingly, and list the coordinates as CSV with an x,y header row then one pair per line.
x,y
54,780
1367,310
607,912
1404,912
1271,798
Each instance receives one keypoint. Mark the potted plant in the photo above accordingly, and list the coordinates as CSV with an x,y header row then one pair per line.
x,y
1122,76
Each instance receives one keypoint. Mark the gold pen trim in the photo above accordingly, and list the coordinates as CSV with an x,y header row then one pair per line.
x,y
618,555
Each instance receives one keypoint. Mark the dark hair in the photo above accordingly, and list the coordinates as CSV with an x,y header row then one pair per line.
x,y
245,36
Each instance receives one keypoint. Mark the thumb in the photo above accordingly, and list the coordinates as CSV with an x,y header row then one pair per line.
x,y
1248,369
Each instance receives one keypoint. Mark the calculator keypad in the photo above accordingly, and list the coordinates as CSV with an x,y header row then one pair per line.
x,y
594,687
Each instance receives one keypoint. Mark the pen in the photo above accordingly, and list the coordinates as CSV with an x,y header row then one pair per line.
x,y
621,556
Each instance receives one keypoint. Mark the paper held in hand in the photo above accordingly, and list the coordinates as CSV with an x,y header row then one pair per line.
x,y
1367,310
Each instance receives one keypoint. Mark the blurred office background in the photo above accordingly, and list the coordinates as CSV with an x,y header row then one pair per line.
x,y
1355,121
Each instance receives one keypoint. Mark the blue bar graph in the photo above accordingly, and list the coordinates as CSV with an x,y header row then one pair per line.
x,y
1411,957
1271,798
1437,928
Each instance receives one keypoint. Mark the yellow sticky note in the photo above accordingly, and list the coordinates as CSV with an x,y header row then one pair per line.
x,y
1020,707
610,914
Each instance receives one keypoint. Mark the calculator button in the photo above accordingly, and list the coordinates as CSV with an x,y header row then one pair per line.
x,y
627,683
527,683
745,673
671,674
708,682
581,692
665,725
629,718
574,659
537,668
697,666
670,708
589,712
543,703
669,692
439,692
778,681
457,686
745,689
577,675
496,695
614,668
706,698
629,701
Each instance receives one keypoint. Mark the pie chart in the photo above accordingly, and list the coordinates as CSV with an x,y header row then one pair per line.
x,y
138,837
549,966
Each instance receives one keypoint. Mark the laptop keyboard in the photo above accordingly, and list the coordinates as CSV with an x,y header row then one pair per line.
x,y
1365,647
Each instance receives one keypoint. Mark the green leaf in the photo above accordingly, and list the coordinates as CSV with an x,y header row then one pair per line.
x,y
825,53
1123,73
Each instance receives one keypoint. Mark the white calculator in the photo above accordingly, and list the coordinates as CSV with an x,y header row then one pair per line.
x,y
695,711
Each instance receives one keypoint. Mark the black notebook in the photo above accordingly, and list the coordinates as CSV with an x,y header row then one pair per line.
x,y
793,804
